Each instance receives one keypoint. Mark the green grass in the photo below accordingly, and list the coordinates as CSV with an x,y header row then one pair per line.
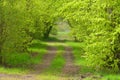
x,y
13,70
111,77
36,52
39,49
58,62
53,77
22,61
18,59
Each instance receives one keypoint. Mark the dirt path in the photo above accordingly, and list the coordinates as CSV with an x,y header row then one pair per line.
x,y
69,72
69,68
16,77
47,59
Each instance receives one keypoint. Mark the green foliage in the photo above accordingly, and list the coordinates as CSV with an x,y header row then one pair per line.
x,y
14,39
54,30
96,23
21,22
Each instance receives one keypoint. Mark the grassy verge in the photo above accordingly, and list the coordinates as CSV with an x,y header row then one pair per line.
x,y
54,77
4,70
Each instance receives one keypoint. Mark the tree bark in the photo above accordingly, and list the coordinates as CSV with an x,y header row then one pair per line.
x,y
2,25
47,32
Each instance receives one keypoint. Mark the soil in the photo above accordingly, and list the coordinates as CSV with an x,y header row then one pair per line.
x,y
71,71
16,77
48,57
70,68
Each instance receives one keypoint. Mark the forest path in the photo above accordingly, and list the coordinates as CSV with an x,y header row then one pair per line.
x,y
46,61
69,71
69,67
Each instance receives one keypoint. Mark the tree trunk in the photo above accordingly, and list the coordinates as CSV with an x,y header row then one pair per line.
x,y
2,25
1,41
47,32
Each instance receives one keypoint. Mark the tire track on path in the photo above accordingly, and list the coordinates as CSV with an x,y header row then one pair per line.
x,y
69,68
47,59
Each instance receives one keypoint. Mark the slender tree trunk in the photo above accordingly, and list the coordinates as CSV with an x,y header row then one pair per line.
x,y
2,38
1,31
69,23
47,32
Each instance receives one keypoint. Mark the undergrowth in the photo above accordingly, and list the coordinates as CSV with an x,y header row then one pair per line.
x,y
23,61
